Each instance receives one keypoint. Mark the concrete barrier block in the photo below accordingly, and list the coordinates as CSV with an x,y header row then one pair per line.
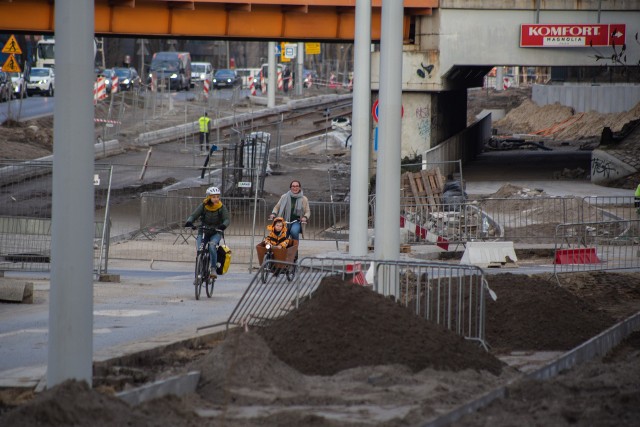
x,y
490,254
16,291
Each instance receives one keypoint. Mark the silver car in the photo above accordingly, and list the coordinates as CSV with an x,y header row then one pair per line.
x,y
42,81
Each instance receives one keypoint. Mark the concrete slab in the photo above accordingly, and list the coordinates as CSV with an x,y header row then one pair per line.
x,y
16,291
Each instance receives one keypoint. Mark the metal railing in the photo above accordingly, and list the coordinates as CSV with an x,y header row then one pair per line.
x,y
25,215
446,294
589,246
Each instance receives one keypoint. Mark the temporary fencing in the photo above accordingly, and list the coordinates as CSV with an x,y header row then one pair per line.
x,y
589,246
25,220
449,295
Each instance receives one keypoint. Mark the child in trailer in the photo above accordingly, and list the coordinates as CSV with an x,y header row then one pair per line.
x,y
277,236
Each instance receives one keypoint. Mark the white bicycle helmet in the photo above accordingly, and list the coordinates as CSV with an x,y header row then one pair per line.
x,y
213,190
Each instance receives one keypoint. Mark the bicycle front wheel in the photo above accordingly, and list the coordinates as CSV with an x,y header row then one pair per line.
x,y
201,274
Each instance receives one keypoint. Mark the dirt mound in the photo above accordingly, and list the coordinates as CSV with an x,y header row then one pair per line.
x,y
539,315
345,326
26,140
529,117
559,122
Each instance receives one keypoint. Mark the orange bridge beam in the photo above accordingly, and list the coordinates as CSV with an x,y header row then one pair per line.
x,y
234,19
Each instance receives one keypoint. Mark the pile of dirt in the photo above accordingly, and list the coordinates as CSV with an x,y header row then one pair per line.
x,y
558,122
539,315
340,325
26,140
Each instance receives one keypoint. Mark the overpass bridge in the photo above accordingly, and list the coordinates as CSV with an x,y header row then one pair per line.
x,y
449,45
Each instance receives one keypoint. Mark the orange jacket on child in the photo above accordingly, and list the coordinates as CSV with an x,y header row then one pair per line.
x,y
279,239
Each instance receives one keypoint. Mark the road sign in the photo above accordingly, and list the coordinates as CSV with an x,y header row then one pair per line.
x,y
374,111
290,50
11,65
312,48
12,47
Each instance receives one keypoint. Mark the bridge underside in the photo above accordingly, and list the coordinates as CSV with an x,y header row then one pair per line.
x,y
233,19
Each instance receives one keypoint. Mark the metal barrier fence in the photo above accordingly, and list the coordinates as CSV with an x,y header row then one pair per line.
x,y
25,215
162,236
446,294
589,246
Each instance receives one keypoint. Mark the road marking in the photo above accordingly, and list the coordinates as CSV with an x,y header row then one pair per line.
x,y
45,331
124,313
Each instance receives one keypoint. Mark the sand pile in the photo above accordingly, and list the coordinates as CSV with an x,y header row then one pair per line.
x,y
562,123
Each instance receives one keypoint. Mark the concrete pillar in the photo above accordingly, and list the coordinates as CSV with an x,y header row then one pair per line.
x,y
360,139
70,348
271,78
387,219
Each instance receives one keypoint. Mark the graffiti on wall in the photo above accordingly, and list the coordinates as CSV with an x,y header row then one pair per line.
x,y
423,116
602,167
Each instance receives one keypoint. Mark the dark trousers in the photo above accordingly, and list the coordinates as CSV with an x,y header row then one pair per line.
x,y
204,140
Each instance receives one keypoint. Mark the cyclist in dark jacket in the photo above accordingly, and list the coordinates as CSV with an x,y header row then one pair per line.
x,y
214,217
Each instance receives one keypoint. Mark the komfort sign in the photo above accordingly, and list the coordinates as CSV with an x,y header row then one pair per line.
x,y
572,35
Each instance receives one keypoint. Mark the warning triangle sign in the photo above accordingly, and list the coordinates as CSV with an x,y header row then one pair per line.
x,y
11,65
12,47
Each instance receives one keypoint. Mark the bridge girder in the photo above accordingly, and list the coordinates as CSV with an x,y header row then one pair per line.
x,y
229,19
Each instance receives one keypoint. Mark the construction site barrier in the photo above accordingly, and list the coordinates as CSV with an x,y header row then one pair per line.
x,y
450,295
589,246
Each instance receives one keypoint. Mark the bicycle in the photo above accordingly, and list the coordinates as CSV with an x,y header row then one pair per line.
x,y
271,261
203,264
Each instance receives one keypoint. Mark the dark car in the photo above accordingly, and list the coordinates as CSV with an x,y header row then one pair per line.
x,y
226,78
128,78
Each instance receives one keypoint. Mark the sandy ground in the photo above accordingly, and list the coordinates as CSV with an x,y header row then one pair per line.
x,y
349,356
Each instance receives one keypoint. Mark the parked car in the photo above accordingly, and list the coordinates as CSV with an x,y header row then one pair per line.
x,y
201,71
226,78
128,78
42,80
5,86
17,81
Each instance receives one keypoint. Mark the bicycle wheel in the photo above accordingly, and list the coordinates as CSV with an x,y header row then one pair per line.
x,y
291,271
210,282
266,266
197,282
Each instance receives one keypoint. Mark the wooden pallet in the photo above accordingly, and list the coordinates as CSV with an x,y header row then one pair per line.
x,y
423,187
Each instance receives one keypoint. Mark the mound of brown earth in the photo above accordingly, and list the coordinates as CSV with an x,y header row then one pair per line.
x,y
344,326
539,315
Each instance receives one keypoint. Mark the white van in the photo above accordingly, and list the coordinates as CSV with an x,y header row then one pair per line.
x,y
245,73
201,71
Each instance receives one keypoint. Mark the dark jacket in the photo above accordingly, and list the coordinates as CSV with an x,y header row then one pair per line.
x,y
211,219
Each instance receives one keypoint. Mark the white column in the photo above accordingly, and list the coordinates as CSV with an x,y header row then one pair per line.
x,y
387,218
271,79
300,70
70,348
361,133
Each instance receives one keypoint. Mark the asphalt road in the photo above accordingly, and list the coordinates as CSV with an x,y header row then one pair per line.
x,y
146,309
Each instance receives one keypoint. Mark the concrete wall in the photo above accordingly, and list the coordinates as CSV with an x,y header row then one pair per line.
x,y
606,168
487,33
603,98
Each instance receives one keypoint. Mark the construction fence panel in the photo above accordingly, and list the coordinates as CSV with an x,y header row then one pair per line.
x,y
592,246
161,235
446,294
610,208
25,215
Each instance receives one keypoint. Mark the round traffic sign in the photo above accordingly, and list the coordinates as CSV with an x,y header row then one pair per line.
x,y
374,111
